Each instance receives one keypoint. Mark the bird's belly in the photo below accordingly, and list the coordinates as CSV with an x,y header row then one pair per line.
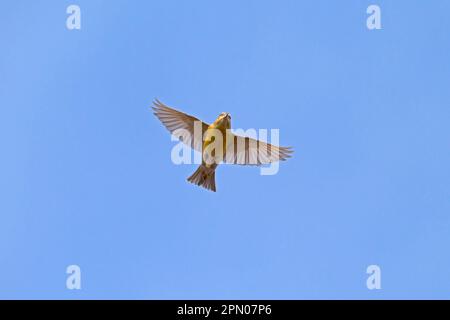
x,y
213,151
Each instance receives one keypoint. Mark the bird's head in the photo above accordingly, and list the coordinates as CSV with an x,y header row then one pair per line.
x,y
225,115
224,119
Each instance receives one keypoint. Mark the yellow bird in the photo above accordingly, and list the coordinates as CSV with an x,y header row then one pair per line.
x,y
234,149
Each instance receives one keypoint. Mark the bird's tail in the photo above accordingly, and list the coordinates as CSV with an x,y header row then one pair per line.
x,y
204,177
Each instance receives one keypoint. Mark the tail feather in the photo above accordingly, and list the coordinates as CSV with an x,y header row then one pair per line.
x,y
204,177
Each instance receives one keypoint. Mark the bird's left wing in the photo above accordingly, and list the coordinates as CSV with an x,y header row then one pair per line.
x,y
173,120
247,151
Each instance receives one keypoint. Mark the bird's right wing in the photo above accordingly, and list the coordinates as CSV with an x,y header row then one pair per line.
x,y
174,120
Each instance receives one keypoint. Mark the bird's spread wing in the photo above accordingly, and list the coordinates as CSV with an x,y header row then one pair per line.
x,y
247,151
174,120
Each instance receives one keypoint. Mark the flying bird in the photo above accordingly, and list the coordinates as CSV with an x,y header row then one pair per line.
x,y
235,149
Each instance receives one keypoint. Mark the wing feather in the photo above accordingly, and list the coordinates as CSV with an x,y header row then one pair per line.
x,y
174,120
248,151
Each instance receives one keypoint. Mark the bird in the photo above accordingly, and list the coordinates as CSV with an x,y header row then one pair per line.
x,y
235,149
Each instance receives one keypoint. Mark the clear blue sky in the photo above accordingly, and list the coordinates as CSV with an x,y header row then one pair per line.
x,y
86,175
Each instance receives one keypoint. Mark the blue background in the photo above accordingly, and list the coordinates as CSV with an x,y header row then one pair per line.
x,y
87,179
